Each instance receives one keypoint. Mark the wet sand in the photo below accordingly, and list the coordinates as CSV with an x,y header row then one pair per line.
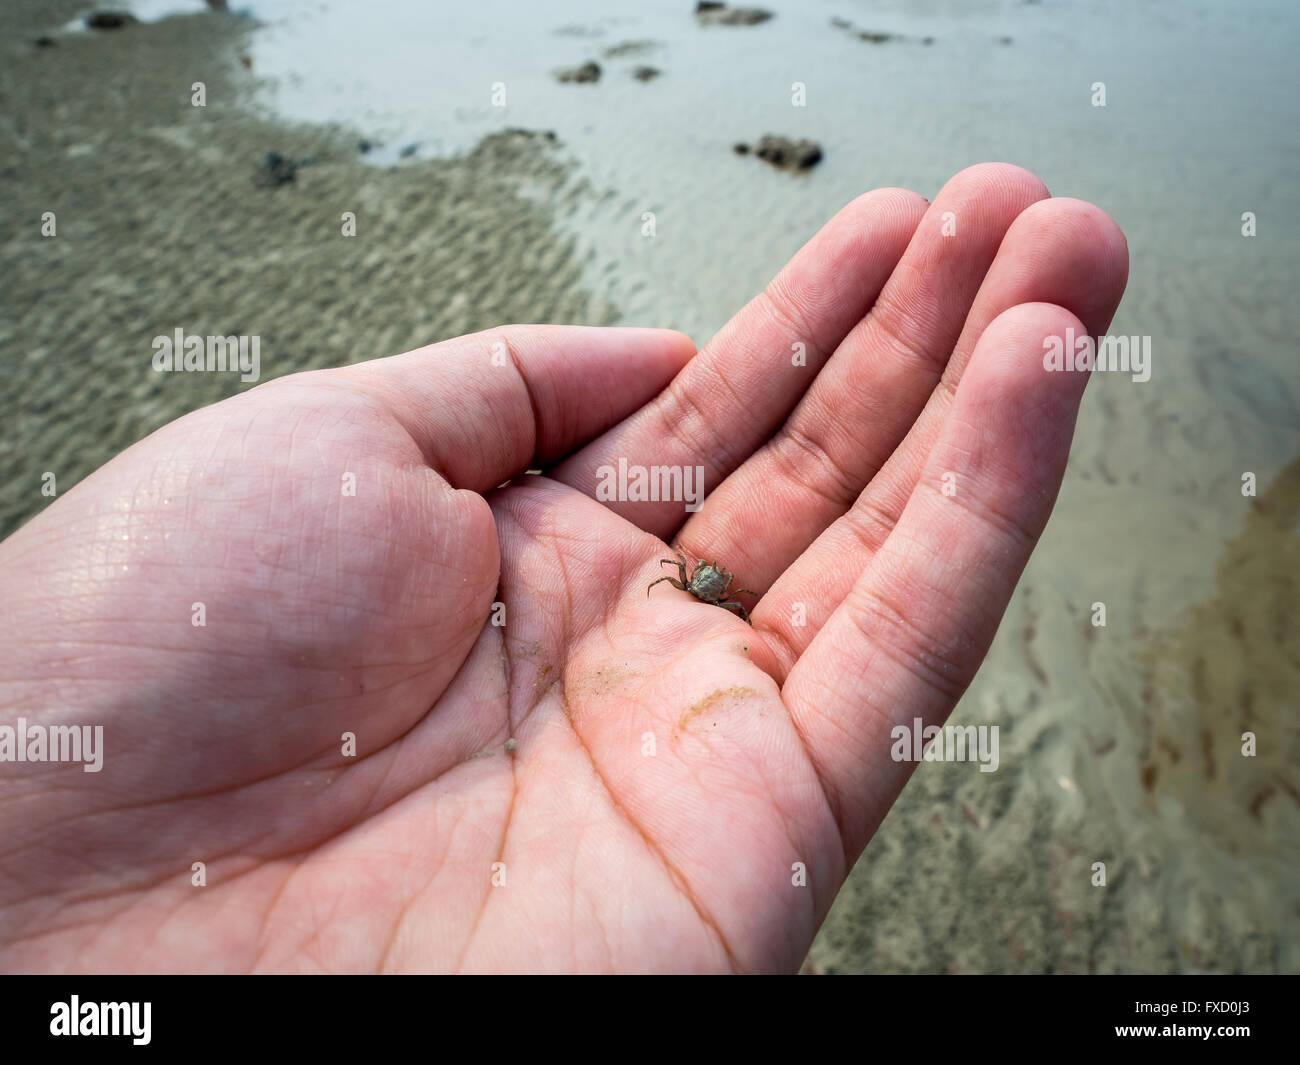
x,y
1119,744
160,226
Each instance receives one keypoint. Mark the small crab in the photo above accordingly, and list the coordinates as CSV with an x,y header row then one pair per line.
x,y
708,583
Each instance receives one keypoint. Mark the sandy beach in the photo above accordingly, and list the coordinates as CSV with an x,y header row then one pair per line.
x,y
1120,744
160,224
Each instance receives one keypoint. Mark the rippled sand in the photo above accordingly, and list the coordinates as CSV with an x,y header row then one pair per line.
x,y
1119,744
160,226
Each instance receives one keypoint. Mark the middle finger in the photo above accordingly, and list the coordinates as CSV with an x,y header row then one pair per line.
x,y
863,403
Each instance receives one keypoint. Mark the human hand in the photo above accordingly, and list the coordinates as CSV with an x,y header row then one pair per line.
x,y
435,847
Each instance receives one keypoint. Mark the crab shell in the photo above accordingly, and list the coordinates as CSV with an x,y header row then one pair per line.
x,y
708,582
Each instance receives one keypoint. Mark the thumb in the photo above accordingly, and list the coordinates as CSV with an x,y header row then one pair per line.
x,y
484,407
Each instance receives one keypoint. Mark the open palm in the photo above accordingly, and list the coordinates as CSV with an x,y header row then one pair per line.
x,y
407,719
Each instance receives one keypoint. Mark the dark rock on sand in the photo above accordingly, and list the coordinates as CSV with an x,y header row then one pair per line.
x,y
785,154
408,151
740,148
109,20
711,13
875,36
520,131
364,146
646,73
588,72
275,171
45,42
629,48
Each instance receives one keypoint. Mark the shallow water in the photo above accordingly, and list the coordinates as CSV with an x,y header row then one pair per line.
x,y
1119,744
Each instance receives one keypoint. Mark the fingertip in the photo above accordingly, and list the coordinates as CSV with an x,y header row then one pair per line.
x,y
679,349
1082,233
1001,179
658,352
1024,362
890,202
1017,325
